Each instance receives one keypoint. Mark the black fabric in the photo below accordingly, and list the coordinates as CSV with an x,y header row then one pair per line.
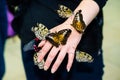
x,y
12,4
24,4
101,3
41,12
92,38
44,11
3,35
79,71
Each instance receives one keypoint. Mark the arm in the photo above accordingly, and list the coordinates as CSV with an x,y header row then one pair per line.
x,y
89,11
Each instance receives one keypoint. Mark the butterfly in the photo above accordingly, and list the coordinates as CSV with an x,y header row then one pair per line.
x,y
39,64
78,22
40,31
83,57
64,11
59,37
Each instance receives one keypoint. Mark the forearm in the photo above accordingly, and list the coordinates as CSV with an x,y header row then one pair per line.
x,y
89,10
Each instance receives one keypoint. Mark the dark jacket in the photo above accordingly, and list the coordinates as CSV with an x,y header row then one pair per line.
x,y
43,11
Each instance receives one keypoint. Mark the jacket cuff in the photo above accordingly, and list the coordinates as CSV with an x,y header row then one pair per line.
x,y
101,3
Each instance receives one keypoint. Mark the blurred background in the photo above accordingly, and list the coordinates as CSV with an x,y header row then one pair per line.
x,y
111,47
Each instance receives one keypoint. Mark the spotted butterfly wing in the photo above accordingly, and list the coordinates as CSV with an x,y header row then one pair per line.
x,y
58,38
83,57
64,11
78,22
40,31
39,64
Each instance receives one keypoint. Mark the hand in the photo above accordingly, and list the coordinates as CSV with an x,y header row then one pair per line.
x,y
69,48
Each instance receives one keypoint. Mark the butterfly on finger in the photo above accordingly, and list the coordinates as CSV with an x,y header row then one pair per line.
x,y
40,31
56,38
59,38
39,64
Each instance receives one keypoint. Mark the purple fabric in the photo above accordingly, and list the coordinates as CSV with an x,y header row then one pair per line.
x,y
10,30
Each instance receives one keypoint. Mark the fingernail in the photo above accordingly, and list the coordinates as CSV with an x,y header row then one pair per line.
x,y
68,69
45,68
52,71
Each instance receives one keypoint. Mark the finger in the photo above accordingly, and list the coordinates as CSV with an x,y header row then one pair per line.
x,y
42,43
70,61
50,57
71,54
44,51
59,59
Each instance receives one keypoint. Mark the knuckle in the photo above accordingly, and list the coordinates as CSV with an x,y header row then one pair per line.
x,y
44,50
51,56
60,59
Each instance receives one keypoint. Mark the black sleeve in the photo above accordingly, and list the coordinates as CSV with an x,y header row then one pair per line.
x,y
101,3
12,4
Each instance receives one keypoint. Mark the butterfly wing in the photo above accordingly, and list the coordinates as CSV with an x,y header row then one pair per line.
x,y
64,11
39,64
59,37
78,22
40,31
53,39
63,35
83,57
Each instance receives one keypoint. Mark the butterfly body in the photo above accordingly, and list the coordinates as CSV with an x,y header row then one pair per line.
x,y
59,37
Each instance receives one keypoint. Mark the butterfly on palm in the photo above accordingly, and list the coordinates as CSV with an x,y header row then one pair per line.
x,y
78,22
59,37
64,12
83,57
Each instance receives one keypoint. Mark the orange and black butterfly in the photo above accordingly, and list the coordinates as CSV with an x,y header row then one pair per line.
x,y
78,22
59,37
64,12
83,57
